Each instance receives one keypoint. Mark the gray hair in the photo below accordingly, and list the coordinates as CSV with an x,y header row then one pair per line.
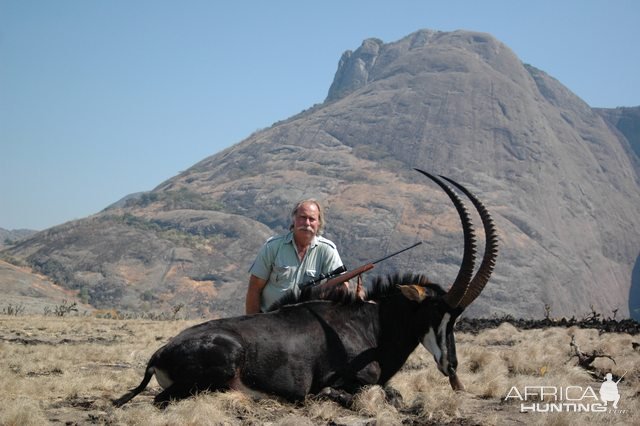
x,y
320,213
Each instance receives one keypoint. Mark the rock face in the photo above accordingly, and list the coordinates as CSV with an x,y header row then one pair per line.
x,y
627,122
562,184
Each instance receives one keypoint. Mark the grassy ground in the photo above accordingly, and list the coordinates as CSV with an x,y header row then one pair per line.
x,y
65,370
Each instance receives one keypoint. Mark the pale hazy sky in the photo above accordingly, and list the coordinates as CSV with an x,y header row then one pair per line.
x,y
100,99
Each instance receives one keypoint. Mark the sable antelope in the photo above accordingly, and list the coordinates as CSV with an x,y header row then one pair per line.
x,y
323,347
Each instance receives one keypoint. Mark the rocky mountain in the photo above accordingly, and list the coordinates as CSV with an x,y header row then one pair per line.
x,y
561,182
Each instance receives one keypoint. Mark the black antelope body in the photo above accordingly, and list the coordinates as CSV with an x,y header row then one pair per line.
x,y
324,347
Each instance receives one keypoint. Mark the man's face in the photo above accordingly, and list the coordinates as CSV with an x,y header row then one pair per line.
x,y
306,220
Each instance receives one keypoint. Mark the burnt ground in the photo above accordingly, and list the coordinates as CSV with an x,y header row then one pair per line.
x,y
594,321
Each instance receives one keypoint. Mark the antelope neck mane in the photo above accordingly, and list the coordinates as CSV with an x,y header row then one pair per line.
x,y
379,288
386,286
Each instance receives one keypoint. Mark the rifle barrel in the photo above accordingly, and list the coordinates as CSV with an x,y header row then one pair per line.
x,y
396,253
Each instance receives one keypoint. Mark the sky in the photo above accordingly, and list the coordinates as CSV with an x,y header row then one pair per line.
x,y
101,99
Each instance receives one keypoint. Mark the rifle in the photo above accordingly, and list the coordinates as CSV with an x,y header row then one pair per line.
x,y
340,275
625,373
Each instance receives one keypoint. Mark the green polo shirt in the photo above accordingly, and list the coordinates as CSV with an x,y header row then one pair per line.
x,y
278,263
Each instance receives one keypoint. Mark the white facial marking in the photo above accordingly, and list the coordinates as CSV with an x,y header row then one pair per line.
x,y
431,344
438,347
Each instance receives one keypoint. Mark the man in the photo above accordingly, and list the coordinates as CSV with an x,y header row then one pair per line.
x,y
290,259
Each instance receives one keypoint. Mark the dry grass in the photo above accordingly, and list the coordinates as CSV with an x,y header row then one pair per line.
x,y
68,369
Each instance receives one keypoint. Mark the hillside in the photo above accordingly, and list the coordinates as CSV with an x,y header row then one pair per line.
x,y
562,184
8,237
24,292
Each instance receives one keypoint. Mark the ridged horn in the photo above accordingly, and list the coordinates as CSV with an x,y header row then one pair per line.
x,y
459,287
490,249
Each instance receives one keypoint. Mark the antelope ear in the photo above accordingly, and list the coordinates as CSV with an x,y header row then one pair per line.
x,y
413,292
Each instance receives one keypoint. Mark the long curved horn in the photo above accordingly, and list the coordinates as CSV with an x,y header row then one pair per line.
x,y
490,249
457,291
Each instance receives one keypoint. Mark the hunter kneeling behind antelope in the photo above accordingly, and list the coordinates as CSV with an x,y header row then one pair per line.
x,y
323,347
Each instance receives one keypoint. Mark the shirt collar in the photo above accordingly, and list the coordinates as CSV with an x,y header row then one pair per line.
x,y
289,239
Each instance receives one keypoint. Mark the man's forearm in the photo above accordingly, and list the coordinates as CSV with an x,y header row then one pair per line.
x,y
252,303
